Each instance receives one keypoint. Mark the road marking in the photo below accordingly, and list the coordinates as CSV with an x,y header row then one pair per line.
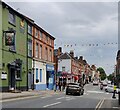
x,y
70,99
95,92
60,98
116,107
45,97
7,100
51,104
99,105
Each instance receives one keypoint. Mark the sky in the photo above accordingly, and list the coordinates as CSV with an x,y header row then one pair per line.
x,y
88,28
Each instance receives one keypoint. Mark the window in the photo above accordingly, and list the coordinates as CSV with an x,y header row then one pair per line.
x,y
40,52
30,29
29,47
50,41
41,35
50,55
40,75
11,18
47,38
13,47
46,53
36,50
37,75
18,74
36,33
63,68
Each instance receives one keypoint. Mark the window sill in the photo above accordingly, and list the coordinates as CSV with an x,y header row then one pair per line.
x,y
14,51
30,56
18,79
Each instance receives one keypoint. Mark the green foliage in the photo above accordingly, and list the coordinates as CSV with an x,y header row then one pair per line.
x,y
102,73
110,77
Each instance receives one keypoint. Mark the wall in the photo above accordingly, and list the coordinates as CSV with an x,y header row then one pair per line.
x,y
21,49
39,65
66,63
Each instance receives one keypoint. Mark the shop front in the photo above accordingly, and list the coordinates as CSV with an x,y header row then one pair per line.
x,y
50,76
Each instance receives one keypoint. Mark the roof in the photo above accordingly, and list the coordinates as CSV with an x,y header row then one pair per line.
x,y
65,56
27,19
17,13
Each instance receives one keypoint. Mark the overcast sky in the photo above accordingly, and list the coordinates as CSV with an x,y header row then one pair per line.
x,y
79,24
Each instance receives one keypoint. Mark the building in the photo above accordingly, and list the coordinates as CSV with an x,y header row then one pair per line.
x,y
43,63
118,63
70,66
13,50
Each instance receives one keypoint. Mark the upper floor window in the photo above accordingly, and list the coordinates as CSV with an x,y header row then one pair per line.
x,y
30,29
50,55
30,48
46,53
36,50
12,18
41,35
50,41
36,33
40,52
47,38
63,68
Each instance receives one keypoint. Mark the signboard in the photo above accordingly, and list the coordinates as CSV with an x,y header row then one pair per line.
x,y
4,75
9,38
50,68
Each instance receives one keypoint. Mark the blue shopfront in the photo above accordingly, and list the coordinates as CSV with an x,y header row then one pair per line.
x,y
50,77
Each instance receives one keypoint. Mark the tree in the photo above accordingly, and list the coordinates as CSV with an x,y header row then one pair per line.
x,y
110,77
102,73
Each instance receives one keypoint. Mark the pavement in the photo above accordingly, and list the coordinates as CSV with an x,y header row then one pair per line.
x,y
24,94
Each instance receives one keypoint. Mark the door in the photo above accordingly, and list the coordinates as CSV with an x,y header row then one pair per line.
x,y
30,81
12,78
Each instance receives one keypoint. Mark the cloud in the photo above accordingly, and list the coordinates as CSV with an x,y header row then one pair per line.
x,y
78,23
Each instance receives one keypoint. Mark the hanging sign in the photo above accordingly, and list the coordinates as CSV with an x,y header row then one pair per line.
x,y
9,38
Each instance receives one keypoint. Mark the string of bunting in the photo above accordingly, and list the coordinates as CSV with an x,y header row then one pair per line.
x,y
90,45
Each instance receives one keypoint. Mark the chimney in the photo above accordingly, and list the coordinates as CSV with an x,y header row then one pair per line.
x,y
59,51
72,53
81,58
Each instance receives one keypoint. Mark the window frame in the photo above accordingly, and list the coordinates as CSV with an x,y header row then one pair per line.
x,y
13,22
29,49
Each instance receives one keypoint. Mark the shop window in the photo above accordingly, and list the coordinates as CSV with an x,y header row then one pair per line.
x,y
12,18
40,75
37,80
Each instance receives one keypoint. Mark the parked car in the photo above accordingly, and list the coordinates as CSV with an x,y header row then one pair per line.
x,y
110,89
95,82
74,88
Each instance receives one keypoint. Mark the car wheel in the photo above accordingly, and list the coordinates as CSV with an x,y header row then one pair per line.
x,y
106,90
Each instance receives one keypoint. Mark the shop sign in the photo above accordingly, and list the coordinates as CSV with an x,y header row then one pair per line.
x,y
4,75
50,68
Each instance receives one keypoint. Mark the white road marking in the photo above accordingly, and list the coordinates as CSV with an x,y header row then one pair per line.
x,y
51,104
116,107
7,100
107,93
60,98
95,92
98,105
45,97
101,103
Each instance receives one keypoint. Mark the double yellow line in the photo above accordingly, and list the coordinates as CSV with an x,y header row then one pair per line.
x,y
99,105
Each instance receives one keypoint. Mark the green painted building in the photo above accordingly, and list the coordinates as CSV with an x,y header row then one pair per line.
x,y
15,47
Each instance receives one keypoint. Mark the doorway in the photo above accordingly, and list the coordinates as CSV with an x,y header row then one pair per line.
x,y
12,78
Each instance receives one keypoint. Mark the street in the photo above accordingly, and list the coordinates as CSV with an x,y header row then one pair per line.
x,y
92,98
